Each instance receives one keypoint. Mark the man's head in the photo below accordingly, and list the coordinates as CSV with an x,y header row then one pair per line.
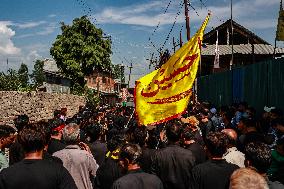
x,y
258,155
173,130
278,124
188,135
21,121
71,133
116,142
94,132
216,143
56,126
130,155
242,106
32,138
140,135
56,113
246,178
276,113
227,117
245,124
232,134
6,136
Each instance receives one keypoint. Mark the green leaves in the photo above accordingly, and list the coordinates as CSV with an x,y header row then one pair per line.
x,y
81,49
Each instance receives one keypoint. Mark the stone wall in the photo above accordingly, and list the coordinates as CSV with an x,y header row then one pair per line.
x,y
37,105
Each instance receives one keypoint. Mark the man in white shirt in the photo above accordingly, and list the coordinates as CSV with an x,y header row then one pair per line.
x,y
233,155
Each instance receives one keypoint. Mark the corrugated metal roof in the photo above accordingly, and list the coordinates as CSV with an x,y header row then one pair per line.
x,y
209,50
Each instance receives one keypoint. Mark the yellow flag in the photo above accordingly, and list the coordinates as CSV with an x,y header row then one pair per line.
x,y
165,93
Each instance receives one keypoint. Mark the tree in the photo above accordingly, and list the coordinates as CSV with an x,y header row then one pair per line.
x,y
118,72
81,49
23,74
38,76
10,81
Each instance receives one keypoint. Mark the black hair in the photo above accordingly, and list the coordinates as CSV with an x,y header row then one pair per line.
x,y
56,113
259,154
173,130
115,142
248,122
94,132
228,115
53,123
21,121
131,152
188,134
277,111
216,143
140,135
6,131
32,138
119,122
153,138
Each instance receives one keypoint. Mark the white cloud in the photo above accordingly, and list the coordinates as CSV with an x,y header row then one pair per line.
x,y
49,29
7,46
31,56
150,14
51,15
28,25
137,15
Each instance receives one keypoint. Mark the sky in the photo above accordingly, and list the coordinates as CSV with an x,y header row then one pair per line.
x,y
137,28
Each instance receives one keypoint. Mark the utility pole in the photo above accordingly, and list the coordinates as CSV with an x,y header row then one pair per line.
x,y
130,68
174,43
232,36
180,39
121,68
187,19
7,65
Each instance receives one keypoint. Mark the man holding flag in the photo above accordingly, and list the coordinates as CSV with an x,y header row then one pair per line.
x,y
164,95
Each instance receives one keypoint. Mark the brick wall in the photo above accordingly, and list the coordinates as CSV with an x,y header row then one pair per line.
x,y
37,105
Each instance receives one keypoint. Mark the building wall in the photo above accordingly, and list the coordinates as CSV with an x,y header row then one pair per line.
x,y
37,105
105,83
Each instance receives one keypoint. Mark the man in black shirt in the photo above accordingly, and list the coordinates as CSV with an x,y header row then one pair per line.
x,y
258,156
216,172
189,142
56,126
33,172
98,148
16,152
140,136
173,164
110,170
249,133
135,177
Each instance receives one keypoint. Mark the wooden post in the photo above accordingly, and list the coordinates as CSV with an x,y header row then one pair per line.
x,y
180,39
174,43
187,19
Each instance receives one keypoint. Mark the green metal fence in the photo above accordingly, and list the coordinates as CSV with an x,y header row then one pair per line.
x,y
260,84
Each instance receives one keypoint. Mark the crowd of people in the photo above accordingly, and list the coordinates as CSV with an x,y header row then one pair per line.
x,y
105,148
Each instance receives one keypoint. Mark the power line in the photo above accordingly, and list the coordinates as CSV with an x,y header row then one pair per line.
x,y
156,28
173,25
